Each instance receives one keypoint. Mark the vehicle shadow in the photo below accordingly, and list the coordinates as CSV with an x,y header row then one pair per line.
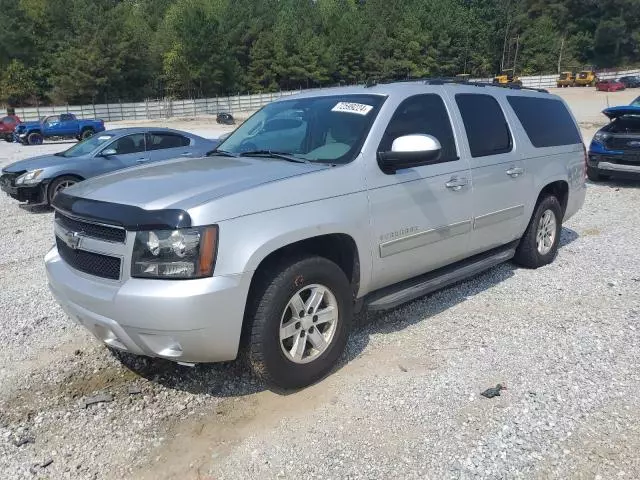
x,y
234,379
618,182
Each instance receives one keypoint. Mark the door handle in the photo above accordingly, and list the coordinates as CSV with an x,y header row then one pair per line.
x,y
186,154
515,172
141,160
456,184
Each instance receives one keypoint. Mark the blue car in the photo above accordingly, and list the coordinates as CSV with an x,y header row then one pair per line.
x,y
615,148
36,180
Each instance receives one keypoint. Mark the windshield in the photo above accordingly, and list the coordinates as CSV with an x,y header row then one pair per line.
x,y
636,102
324,129
87,146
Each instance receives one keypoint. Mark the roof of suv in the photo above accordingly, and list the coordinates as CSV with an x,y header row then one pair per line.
x,y
415,86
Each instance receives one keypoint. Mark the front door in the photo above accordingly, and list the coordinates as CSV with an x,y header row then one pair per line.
x,y
129,151
421,217
500,181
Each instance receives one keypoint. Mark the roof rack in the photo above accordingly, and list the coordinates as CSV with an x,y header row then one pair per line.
x,y
452,80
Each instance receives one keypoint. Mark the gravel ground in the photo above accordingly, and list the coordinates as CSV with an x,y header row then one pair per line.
x,y
404,403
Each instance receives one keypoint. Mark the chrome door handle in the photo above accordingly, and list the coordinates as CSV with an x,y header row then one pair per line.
x,y
515,172
141,160
456,184
186,154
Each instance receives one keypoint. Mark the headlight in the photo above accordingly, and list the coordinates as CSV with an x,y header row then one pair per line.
x,y
29,178
600,137
175,254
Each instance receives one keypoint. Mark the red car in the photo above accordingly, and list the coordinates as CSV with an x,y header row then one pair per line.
x,y
609,86
7,126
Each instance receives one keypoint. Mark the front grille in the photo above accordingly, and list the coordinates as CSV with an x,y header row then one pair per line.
x,y
88,262
9,178
621,143
101,232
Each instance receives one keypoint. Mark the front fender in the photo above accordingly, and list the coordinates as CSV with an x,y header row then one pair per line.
x,y
246,241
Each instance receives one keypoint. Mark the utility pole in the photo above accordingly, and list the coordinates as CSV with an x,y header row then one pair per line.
x,y
560,56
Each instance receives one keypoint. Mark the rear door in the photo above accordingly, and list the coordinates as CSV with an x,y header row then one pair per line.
x,y
501,183
68,125
165,145
421,217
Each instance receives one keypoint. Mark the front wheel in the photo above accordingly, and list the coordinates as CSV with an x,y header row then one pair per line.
x,y
60,184
539,244
35,138
299,320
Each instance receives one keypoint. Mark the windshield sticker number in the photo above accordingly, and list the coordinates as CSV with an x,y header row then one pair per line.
x,y
357,108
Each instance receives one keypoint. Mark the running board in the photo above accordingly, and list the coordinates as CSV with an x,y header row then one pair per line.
x,y
391,297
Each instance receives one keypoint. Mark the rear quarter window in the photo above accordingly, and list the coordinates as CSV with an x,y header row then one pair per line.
x,y
546,121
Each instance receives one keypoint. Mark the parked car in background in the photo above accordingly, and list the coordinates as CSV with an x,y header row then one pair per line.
x,y
609,86
615,148
63,126
632,81
36,180
7,126
225,119
318,205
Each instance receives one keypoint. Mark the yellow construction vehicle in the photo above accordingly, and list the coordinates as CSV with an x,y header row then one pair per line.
x,y
587,77
566,79
507,77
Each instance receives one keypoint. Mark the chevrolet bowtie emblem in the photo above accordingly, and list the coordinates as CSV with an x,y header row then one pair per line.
x,y
72,239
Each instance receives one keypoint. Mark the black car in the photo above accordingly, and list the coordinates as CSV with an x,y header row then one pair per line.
x,y
630,81
225,119
615,148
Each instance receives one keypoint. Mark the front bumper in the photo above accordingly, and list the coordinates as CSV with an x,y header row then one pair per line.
x,y
191,321
32,194
624,164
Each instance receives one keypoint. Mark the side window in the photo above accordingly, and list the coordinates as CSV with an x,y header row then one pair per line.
x,y
546,121
487,129
425,114
52,119
66,117
160,141
128,144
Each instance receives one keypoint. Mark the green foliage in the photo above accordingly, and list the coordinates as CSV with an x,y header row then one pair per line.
x,y
108,50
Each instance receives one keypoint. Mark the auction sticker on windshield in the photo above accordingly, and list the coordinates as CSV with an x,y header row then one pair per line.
x,y
359,108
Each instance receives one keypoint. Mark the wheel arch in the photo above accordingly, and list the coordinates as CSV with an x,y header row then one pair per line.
x,y
558,188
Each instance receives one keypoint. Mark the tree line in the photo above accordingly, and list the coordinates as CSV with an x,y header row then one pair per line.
x,y
77,51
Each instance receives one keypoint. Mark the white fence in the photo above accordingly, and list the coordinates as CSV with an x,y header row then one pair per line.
x,y
166,108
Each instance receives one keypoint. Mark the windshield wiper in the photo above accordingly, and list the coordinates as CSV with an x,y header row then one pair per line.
x,y
223,153
270,153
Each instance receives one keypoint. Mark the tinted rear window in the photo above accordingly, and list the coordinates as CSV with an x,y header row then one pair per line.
x,y
485,124
547,122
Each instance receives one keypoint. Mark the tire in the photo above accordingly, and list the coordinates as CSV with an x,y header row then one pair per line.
x,y
58,184
595,176
35,138
529,254
86,133
271,355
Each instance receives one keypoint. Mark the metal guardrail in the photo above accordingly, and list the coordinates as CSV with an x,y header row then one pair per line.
x,y
167,108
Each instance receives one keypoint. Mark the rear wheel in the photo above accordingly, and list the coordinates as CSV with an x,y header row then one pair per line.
x,y
86,133
539,244
35,138
299,321
59,184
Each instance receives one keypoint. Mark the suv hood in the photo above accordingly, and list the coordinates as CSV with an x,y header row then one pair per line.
x,y
41,161
184,184
615,112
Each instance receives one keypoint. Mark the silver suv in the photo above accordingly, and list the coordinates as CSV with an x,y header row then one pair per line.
x,y
318,206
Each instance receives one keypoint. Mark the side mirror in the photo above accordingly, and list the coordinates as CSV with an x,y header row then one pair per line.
x,y
108,152
410,151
